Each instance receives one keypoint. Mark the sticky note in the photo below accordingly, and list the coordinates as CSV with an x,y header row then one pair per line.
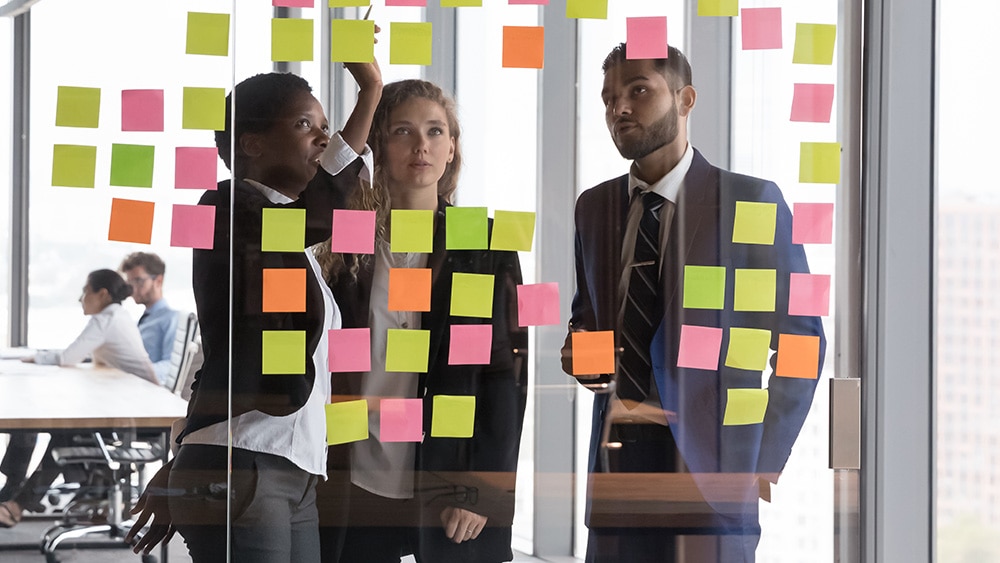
x,y
513,230
718,7
349,349
809,295
745,406
754,290
74,166
699,347
195,168
410,3
523,46
453,416
283,230
755,222
284,352
472,295
470,344
142,110
407,350
204,108
798,356
352,41
284,290
461,3
814,43
538,304
131,221
761,28
466,228
132,165
593,9
411,230
207,34
410,43
294,3
812,103
819,163
78,107
291,39
410,289
346,422
348,3
593,352
646,38
193,226
704,287
748,348
401,420
353,231
812,223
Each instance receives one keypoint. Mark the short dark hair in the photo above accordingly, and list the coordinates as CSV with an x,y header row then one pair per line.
x,y
675,67
148,261
110,280
260,100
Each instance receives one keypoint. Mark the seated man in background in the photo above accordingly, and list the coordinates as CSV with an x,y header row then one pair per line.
x,y
158,324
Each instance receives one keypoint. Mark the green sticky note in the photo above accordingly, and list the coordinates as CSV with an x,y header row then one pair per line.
x,y
819,163
513,230
748,348
410,43
407,350
461,3
754,222
283,230
352,41
204,108
348,3
704,287
472,295
284,352
718,7
755,290
466,228
346,422
745,406
814,43
453,416
132,165
207,34
78,107
291,39
593,9
74,166
411,230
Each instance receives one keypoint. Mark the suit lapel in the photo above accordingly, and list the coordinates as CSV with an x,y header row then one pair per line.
x,y
440,287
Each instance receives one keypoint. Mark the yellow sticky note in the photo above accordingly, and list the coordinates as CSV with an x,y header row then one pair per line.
x,y
472,295
819,163
204,108
453,416
754,222
748,348
461,3
407,350
346,421
513,230
284,352
592,9
74,166
207,34
291,39
410,43
78,107
718,7
745,406
411,230
283,230
352,41
814,43
755,290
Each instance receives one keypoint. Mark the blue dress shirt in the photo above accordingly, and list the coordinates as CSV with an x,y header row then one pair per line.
x,y
158,327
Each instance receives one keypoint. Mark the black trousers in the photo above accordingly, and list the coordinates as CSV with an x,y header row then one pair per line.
x,y
15,462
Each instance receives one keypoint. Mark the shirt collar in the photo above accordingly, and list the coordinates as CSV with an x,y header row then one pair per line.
x,y
668,186
272,195
161,304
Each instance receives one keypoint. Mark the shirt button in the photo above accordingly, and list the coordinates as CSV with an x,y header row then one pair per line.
x,y
406,325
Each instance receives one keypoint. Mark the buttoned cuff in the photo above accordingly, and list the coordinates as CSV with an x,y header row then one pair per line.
x,y
339,155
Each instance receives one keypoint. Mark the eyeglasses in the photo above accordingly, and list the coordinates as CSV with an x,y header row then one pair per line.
x,y
136,282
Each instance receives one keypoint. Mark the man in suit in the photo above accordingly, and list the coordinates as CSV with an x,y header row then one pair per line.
x,y
669,259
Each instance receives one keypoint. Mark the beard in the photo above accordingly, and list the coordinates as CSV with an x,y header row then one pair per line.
x,y
659,133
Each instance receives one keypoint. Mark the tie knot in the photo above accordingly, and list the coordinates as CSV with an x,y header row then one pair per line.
x,y
651,201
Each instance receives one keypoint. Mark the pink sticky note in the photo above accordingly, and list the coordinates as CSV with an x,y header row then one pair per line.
x,y
538,304
699,347
412,3
812,103
812,223
193,226
470,344
195,168
142,110
761,28
646,38
293,3
401,420
809,295
353,231
350,349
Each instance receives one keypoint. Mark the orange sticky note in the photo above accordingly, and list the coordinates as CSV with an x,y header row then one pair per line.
x,y
284,290
798,356
131,221
410,289
523,46
593,352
